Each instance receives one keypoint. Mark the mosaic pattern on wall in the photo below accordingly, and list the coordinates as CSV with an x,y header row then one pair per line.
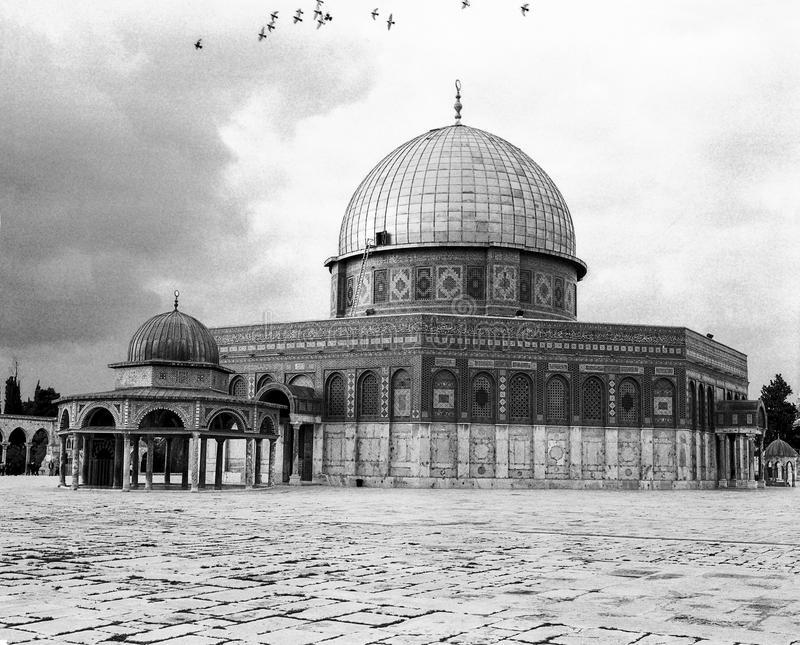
x,y
504,282
449,282
400,286
423,288
544,290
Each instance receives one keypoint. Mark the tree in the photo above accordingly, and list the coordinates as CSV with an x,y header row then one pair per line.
x,y
42,404
780,412
13,398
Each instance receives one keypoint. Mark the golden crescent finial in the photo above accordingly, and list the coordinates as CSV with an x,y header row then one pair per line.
x,y
458,105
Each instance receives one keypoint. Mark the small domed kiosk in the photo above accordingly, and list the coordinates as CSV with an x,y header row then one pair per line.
x,y
170,397
780,461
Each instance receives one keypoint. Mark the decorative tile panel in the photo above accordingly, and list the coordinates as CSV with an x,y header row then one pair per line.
x,y
380,286
543,290
400,285
504,282
476,283
449,282
558,293
365,295
423,289
525,286
569,297
350,291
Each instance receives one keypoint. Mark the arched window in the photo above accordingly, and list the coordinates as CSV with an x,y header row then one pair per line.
x,y
401,395
664,403
369,396
264,379
592,401
482,397
693,405
302,380
557,401
335,404
64,420
238,387
444,396
520,399
629,408
701,406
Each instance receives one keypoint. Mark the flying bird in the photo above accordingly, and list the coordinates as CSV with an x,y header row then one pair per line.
x,y
389,22
464,4
320,21
375,13
199,44
262,35
525,8
271,26
274,16
328,17
297,17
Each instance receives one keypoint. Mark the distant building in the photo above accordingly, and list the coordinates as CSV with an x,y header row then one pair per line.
x,y
25,444
780,461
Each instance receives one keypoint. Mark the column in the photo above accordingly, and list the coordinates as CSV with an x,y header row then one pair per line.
x,y
203,460
136,461
148,476
28,469
167,459
185,465
3,454
218,463
116,479
259,457
249,467
195,468
751,458
761,465
463,450
319,451
76,458
85,463
126,462
62,461
271,466
294,479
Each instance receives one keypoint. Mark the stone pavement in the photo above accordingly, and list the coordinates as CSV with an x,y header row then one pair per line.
x,y
403,567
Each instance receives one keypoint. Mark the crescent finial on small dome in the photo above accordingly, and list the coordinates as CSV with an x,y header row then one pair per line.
x,y
458,105
177,293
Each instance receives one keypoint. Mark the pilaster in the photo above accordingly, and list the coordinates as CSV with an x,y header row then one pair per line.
x,y
539,450
575,453
463,450
501,451
612,454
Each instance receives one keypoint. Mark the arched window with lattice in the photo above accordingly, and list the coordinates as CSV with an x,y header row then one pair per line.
x,y
238,387
264,379
557,401
664,404
401,395
482,397
520,399
629,407
592,401
369,396
444,396
335,403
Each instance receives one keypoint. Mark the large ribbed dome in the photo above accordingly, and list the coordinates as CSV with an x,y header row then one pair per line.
x,y
460,186
173,336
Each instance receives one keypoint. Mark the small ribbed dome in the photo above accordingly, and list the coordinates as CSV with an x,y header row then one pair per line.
x,y
779,448
462,186
173,336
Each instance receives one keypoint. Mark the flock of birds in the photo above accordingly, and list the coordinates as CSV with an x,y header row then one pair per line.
x,y
323,17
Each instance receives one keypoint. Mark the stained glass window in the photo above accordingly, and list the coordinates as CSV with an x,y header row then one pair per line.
x,y
557,401
482,397
592,398
628,408
369,396
335,397
519,399
401,395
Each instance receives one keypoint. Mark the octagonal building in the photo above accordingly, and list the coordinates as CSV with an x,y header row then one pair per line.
x,y
453,356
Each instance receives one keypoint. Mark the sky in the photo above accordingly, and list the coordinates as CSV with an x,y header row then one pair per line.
x,y
132,164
